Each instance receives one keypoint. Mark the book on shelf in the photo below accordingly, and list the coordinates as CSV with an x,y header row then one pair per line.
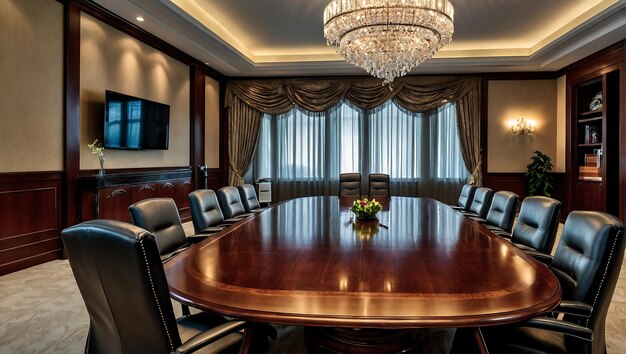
x,y
588,171
590,178
591,135
591,160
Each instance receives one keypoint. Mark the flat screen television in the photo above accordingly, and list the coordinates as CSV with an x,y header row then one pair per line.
x,y
134,123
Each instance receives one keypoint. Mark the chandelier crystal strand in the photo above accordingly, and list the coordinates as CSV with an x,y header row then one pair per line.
x,y
388,38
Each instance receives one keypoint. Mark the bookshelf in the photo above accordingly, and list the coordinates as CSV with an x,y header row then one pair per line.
x,y
594,139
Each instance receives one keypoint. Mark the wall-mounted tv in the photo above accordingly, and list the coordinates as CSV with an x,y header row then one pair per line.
x,y
134,123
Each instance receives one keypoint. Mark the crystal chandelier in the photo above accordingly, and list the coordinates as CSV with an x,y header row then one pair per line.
x,y
388,38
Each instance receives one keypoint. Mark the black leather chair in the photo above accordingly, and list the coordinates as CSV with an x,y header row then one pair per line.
x,y
121,279
466,197
206,214
537,223
231,205
350,185
160,216
249,199
502,211
379,186
480,204
587,263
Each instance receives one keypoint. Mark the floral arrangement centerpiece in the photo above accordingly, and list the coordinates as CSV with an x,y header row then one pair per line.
x,y
366,209
97,149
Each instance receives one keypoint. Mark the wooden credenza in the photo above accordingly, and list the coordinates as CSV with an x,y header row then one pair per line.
x,y
109,196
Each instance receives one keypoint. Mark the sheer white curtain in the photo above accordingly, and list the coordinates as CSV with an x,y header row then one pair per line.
x,y
293,150
304,152
346,136
396,147
420,152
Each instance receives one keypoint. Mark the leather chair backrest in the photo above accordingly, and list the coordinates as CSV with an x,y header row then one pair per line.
x,y
121,279
248,197
502,210
587,263
467,196
230,202
379,185
205,209
160,217
482,201
350,185
537,223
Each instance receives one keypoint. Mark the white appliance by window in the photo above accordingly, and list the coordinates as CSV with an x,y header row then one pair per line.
x,y
264,188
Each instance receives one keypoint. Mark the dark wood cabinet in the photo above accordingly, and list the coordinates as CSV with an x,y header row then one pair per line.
x,y
110,195
145,191
595,111
112,203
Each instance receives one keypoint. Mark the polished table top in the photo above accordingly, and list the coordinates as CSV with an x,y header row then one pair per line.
x,y
305,262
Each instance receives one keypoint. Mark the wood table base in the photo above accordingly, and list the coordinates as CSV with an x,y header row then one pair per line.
x,y
361,341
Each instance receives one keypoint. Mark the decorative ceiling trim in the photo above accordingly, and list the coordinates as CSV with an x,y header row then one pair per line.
x,y
323,53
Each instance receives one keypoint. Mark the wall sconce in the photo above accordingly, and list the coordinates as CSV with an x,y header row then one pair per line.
x,y
523,127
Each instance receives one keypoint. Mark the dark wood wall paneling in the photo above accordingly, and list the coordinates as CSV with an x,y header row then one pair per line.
x,y
71,108
38,205
516,183
197,124
198,71
31,219
224,169
216,179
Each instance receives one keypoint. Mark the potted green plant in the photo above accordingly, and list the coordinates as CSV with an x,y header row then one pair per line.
x,y
539,175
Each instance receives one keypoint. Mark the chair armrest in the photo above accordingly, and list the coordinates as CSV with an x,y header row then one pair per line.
x,y
213,229
494,228
196,238
540,256
235,219
502,233
565,327
167,257
210,336
576,308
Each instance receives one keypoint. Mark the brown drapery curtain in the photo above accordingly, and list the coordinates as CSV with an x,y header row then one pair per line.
x,y
247,100
243,127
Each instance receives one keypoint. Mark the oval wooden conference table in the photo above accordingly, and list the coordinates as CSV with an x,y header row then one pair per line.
x,y
306,262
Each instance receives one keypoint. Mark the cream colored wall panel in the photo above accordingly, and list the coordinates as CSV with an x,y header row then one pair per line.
x,y
212,123
112,60
534,100
31,86
561,109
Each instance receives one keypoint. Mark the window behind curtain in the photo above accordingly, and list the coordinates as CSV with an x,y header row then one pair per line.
x,y
396,144
304,152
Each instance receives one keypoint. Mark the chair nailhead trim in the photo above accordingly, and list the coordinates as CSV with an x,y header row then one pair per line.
x,y
169,338
606,270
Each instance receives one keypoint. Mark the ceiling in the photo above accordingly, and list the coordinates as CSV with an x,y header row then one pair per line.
x,y
285,37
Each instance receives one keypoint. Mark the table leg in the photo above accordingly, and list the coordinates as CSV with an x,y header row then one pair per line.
x,y
360,341
480,341
246,344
